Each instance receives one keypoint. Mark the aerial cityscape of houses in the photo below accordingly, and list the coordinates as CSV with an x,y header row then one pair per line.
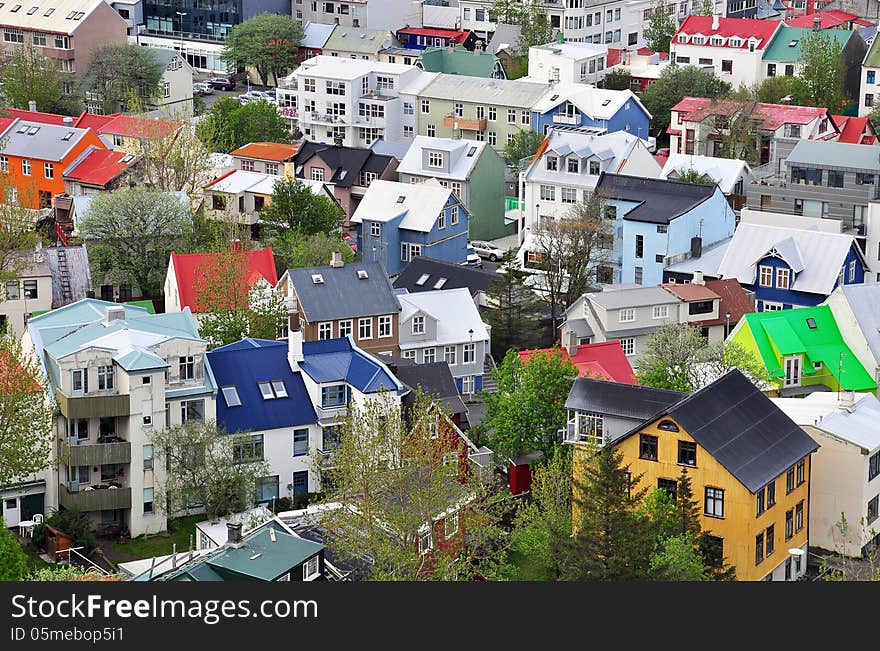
x,y
354,306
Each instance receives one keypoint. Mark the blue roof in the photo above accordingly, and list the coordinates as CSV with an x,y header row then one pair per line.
x,y
245,363
337,360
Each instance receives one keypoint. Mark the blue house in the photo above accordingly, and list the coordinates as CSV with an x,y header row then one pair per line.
x,y
262,397
657,220
583,105
790,267
397,222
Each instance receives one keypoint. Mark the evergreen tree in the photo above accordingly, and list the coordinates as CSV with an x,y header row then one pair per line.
x,y
515,319
687,508
617,80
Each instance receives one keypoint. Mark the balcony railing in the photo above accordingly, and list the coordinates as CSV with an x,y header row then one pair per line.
x,y
185,36
330,413
561,118
96,454
326,459
98,499
464,124
512,203
93,406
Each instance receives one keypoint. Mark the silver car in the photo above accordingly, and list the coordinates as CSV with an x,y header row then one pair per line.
x,y
487,250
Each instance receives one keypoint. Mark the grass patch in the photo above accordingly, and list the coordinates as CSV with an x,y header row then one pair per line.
x,y
526,567
179,532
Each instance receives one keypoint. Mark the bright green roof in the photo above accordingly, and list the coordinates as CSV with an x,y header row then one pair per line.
x,y
780,48
787,332
872,56
147,305
458,62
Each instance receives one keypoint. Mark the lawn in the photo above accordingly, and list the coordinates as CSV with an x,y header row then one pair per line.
x,y
179,532
526,568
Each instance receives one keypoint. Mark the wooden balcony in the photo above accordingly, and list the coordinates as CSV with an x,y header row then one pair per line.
x,y
100,499
96,455
93,406
465,124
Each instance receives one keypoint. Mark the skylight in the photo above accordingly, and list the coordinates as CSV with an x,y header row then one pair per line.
x,y
811,323
793,43
606,102
32,11
554,98
401,199
471,151
423,279
439,284
70,15
68,135
33,130
317,279
22,129
362,274
49,11
230,394
79,14
266,390
15,8
272,389
279,388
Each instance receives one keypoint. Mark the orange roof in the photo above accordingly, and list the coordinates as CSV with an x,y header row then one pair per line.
x,y
690,291
136,127
276,151
187,266
605,360
99,167
93,120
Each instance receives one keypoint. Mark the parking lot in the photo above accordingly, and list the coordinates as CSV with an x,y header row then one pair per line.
x,y
240,89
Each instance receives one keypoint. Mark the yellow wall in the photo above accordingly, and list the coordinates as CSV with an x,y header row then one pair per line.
x,y
739,526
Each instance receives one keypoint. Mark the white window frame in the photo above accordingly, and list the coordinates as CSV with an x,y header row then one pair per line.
x,y
783,279
346,327
433,358
386,327
365,326
660,312
426,540
468,384
325,330
447,530
314,574
628,343
762,271
418,325
449,355
469,353
627,315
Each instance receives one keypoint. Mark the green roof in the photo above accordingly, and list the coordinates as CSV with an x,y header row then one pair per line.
x,y
872,56
788,332
459,61
147,305
781,48
262,559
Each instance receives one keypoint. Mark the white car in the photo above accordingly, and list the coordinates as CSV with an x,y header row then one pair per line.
x,y
256,95
473,260
487,250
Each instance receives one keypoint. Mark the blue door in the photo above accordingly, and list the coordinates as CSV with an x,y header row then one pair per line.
x,y
301,482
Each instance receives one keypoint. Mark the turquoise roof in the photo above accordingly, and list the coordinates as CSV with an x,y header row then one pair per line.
x,y
139,360
781,48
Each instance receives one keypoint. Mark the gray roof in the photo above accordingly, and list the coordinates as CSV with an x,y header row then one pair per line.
x,y
315,35
822,153
342,294
79,274
864,301
708,261
613,298
500,92
456,275
505,37
659,200
360,39
40,141
580,327
616,399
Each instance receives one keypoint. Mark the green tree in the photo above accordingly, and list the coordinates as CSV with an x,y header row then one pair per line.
x,y
660,28
677,559
508,12
296,208
75,524
515,310
172,161
612,541
527,412
705,8
617,79
676,82
131,233
293,250
522,147
13,561
823,72
535,27
27,76
774,90
691,175
122,75
230,125
269,43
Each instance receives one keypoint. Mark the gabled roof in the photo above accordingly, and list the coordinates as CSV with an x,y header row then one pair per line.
x,y
596,103
689,292
659,200
338,360
345,163
788,41
825,153
435,379
40,141
421,205
458,61
515,93
131,126
455,312
605,360
742,28
816,256
238,181
864,301
872,56
741,429
788,332
315,35
188,266
708,261
359,39
342,293
614,297
829,19
505,38
434,271
274,151
618,399
726,172
53,16
442,17
463,156
768,116
855,130
98,167
243,366
734,299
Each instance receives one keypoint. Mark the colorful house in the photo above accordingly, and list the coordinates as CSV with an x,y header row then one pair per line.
x,y
421,38
605,360
803,351
583,105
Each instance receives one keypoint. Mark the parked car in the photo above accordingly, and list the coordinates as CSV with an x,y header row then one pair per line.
x,y
222,83
256,95
473,260
202,88
487,250
352,242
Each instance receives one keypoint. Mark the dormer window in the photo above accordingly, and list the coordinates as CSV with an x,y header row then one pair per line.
x,y
435,159
717,40
734,42
573,165
682,38
698,40
418,325
552,163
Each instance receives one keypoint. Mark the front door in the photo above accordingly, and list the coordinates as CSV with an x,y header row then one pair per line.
x,y
301,482
793,371
11,512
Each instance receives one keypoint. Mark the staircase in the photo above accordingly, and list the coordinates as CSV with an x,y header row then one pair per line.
x,y
64,273
489,384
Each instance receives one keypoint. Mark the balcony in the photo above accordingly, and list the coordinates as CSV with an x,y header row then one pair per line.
x,y
323,118
561,118
97,499
326,459
58,53
290,304
96,454
93,406
464,124
331,413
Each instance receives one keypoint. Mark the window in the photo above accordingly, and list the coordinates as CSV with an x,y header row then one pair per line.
x,y
317,173
247,447
771,69
29,287
186,366
345,327
640,246
365,328
627,315
334,395
148,457
426,106
782,278
441,220
435,159
874,466
267,488
766,279
759,501
727,66
594,167
310,569
511,116
629,346
668,485
13,290
759,548
835,179
247,165
26,167
851,276
300,442
789,480
572,165
687,453
192,410
569,195
384,326
493,113
468,384
648,447
548,193
148,500
872,509
429,355
769,538
869,99
450,526
105,378
453,210
431,130
714,502
4,163
418,325
325,330
552,163
789,523
425,542
771,494
799,516
449,356
468,353
458,109
80,380
800,471
230,395
49,170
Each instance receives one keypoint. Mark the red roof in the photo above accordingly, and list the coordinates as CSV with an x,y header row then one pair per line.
x,y
605,361
773,115
853,130
99,167
136,127
94,121
745,28
458,35
733,298
5,122
830,19
36,116
661,160
261,263
277,151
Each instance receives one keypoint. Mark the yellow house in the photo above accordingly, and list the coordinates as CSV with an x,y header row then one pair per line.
x,y
749,466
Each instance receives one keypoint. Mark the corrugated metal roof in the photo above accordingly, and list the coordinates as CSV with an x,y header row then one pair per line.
x,y
40,141
57,16
342,294
461,160
824,154
726,172
421,205
618,399
864,301
500,92
825,411
337,360
456,315
612,298
659,200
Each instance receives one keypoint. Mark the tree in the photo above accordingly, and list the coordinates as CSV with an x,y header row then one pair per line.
x,y
131,233
390,477
535,27
67,573
296,208
207,467
676,82
507,12
27,76
823,72
13,561
617,79
522,147
293,250
172,160
660,28
774,90
677,560
75,524
527,412
612,537
705,8
121,75
230,125
269,43
17,235
572,252
26,418
514,315
691,175
735,124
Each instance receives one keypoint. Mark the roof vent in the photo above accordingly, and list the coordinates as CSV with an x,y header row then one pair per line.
x,y
318,279
362,274
811,323
114,313
335,260
67,121
401,199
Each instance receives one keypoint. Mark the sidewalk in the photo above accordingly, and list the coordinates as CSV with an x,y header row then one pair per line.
x,y
507,242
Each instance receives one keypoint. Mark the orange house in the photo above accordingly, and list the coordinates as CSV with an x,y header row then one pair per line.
x,y
34,156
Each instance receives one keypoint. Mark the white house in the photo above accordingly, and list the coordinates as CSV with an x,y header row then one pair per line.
x,y
568,62
731,174
869,86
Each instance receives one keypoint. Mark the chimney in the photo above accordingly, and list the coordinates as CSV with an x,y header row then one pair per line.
x,y
698,278
32,105
847,400
295,347
67,121
715,21
817,23
233,534
235,245
478,47
114,313
696,247
336,260
572,346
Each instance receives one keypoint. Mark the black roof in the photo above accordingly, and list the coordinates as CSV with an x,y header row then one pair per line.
x,y
342,294
435,379
742,429
346,163
616,399
475,280
660,200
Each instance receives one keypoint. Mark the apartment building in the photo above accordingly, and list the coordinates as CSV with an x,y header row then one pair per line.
x,y
371,14
116,373
568,62
869,81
